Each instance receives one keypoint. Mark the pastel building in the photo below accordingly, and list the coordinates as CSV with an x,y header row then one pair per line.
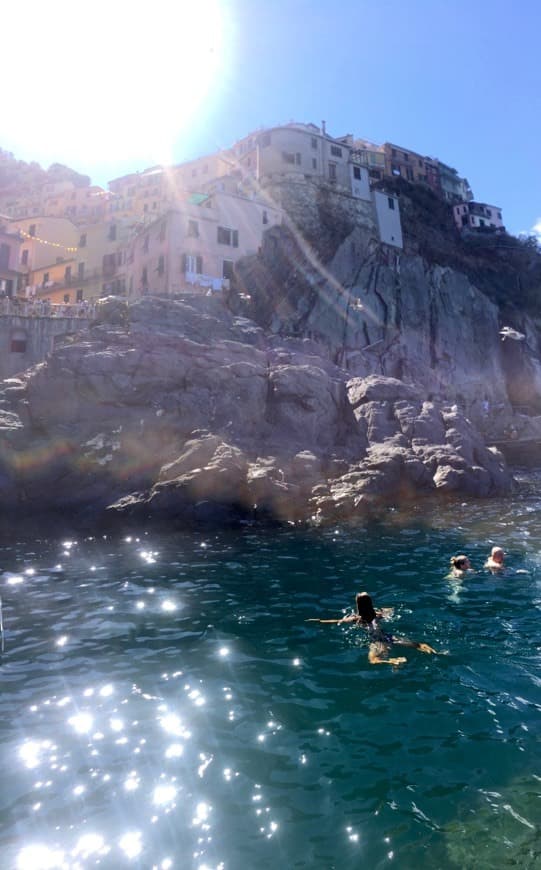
x,y
453,187
10,275
411,166
294,149
194,249
370,155
478,216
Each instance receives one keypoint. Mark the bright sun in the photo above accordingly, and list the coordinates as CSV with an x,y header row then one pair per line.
x,y
107,80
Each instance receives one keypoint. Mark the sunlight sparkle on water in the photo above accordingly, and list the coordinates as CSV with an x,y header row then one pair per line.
x,y
173,725
224,651
38,857
107,690
131,844
202,811
89,844
164,794
82,722
174,751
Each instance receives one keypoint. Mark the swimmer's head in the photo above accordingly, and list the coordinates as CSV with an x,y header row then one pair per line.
x,y
497,554
365,608
461,563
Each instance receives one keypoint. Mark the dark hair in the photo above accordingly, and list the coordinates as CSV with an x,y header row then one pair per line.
x,y
365,608
458,561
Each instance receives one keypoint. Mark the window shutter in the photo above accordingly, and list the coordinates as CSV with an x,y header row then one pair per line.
x,y
199,264
235,238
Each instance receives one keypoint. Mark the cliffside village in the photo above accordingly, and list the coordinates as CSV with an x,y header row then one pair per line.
x,y
178,229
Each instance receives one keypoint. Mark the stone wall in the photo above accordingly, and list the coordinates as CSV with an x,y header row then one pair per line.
x,y
25,341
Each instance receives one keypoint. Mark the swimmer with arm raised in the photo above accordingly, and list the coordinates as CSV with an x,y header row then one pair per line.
x,y
381,642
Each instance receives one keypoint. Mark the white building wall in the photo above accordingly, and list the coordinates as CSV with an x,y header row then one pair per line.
x,y
360,181
388,215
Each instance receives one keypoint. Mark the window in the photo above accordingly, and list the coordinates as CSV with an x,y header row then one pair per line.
x,y
145,244
24,258
421,163
82,241
227,269
162,232
390,202
227,236
489,212
288,157
79,296
374,173
265,218
481,222
313,142
395,170
393,152
314,163
336,151
67,274
32,230
112,233
18,344
298,159
406,157
192,263
193,229
66,298
500,215
81,271
161,264
144,277
45,277
357,172
409,173
4,256
332,171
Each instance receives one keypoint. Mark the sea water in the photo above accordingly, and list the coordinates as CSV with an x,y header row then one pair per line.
x,y
165,703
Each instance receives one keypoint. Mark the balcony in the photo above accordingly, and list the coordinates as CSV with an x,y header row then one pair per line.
x,y
208,281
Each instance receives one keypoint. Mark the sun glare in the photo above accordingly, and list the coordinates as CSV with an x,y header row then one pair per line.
x,y
110,81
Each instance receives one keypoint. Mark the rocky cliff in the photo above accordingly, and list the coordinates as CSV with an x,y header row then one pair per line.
x,y
337,379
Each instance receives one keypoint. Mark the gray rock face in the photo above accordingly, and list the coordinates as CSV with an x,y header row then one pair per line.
x,y
191,414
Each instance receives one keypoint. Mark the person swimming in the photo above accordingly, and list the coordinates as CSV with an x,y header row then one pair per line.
x,y
495,562
380,641
460,565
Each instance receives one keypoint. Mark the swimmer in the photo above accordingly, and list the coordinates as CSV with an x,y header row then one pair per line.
x,y
460,565
380,642
495,562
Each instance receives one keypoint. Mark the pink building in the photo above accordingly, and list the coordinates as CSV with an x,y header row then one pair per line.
x,y
195,248
478,215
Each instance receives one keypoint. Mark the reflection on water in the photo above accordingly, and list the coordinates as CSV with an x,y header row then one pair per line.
x,y
165,703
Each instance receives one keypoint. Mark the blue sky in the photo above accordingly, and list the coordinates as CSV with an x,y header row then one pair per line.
x,y
175,79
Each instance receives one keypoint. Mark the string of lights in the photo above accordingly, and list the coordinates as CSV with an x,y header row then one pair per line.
x,y
45,242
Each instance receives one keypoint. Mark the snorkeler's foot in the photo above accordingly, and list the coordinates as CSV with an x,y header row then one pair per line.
x,y
399,660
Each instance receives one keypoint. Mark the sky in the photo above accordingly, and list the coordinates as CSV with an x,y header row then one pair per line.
x,y
110,87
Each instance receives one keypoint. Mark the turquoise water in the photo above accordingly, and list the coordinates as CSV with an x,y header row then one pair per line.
x,y
165,703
